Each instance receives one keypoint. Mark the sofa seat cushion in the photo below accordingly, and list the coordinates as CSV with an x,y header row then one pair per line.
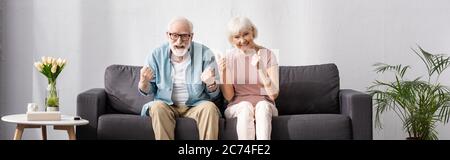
x,y
301,127
135,127
312,126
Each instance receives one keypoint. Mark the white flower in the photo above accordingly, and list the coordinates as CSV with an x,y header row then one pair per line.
x,y
59,62
49,66
49,60
54,62
54,68
38,66
44,59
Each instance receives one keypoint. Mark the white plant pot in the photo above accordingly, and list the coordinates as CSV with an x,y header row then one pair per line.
x,y
52,109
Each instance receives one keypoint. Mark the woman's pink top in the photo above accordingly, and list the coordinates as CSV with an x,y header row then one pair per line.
x,y
244,76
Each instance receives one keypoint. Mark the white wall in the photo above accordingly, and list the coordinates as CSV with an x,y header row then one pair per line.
x,y
93,34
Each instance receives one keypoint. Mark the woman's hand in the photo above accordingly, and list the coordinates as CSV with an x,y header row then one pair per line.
x,y
222,64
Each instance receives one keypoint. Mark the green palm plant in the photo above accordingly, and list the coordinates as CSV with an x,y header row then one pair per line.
x,y
419,103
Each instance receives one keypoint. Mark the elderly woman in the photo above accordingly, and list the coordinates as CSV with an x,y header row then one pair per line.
x,y
249,74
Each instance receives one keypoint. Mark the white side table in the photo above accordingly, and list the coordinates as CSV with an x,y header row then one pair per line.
x,y
66,123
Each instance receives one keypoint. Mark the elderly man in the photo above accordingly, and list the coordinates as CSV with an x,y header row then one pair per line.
x,y
181,75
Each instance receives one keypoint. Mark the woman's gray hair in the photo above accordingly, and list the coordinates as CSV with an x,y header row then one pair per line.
x,y
238,24
181,19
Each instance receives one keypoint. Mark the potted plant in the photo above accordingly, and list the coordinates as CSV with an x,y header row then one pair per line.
x,y
419,103
51,67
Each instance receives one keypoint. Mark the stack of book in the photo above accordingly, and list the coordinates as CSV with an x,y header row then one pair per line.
x,y
43,116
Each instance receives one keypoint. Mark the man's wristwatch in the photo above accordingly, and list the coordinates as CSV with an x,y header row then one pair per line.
x,y
212,86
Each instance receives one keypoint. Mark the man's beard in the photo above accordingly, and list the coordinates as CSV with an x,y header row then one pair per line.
x,y
180,51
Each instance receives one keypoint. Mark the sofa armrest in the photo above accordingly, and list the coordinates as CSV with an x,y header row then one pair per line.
x,y
358,106
90,105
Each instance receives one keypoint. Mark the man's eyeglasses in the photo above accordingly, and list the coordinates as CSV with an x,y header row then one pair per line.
x,y
175,36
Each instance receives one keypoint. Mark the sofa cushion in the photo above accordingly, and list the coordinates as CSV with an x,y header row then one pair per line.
x,y
301,127
308,89
312,126
121,85
289,127
134,127
124,126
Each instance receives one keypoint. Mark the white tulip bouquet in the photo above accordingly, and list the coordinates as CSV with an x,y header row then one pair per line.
x,y
51,67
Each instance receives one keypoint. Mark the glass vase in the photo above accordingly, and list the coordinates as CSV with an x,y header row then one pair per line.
x,y
52,98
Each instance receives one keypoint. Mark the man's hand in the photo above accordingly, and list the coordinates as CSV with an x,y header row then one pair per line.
x,y
146,76
208,76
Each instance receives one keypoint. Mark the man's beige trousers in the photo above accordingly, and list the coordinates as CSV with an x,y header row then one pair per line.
x,y
205,114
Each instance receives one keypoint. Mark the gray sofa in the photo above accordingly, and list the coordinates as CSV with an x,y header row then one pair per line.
x,y
311,106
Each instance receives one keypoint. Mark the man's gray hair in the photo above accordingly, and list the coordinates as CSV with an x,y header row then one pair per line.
x,y
238,24
181,19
